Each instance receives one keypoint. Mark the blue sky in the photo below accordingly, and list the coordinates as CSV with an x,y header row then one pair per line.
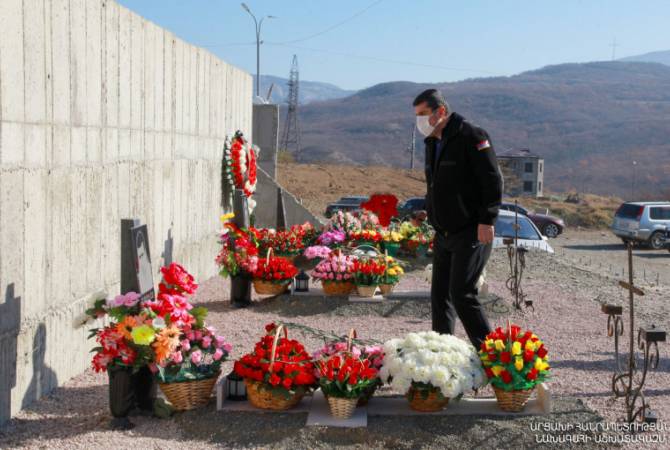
x,y
394,40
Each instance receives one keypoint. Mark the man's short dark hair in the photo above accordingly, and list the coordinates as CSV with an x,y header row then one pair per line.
x,y
433,98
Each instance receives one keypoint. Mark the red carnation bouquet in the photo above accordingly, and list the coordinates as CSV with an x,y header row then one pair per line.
x,y
278,368
275,269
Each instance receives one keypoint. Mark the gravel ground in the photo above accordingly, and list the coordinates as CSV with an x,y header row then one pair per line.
x,y
567,316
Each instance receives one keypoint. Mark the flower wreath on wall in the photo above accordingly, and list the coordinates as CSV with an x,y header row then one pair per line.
x,y
241,170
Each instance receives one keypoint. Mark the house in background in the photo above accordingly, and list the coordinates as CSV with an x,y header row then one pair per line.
x,y
523,172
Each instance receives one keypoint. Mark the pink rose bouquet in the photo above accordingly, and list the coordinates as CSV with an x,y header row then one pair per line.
x,y
335,268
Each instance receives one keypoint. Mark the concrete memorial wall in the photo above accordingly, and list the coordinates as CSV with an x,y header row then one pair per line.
x,y
103,116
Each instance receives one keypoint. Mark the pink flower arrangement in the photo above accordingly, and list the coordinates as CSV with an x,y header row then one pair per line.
x,y
317,251
331,238
336,267
373,353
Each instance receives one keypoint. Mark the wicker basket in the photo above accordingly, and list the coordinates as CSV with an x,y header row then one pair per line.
x,y
366,291
186,395
342,408
264,287
337,288
512,401
432,402
261,395
386,289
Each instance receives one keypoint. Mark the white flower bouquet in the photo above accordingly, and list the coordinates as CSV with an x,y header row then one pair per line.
x,y
431,368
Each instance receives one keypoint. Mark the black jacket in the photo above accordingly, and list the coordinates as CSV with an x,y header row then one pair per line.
x,y
464,180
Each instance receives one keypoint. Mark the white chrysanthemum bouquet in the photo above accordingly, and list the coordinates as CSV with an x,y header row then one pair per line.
x,y
431,368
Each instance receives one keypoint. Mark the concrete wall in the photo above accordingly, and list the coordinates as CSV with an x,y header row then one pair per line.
x,y
103,116
266,136
266,196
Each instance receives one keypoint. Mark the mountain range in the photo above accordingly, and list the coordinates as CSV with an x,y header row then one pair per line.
x,y
589,121
309,91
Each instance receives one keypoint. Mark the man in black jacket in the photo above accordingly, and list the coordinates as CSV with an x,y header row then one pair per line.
x,y
463,197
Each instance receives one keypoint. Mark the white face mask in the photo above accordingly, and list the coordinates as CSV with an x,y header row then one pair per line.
x,y
424,126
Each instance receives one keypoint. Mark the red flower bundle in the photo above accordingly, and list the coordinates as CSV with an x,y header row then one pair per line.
x,y
368,272
345,376
283,242
275,269
292,368
385,206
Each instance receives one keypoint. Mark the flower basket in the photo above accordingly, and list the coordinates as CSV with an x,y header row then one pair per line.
x,y
431,368
342,408
273,275
386,289
263,287
515,362
366,291
263,392
426,400
187,395
512,401
337,288
261,396
391,248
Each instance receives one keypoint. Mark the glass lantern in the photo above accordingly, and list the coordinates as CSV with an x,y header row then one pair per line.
x,y
302,282
236,389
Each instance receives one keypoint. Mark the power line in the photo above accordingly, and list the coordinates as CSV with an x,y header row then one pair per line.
x,y
332,27
384,60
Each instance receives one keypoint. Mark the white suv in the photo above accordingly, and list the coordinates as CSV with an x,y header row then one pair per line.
x,y
642,222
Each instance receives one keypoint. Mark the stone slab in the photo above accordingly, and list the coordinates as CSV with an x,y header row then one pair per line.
x,y
398,406
320,416
228,405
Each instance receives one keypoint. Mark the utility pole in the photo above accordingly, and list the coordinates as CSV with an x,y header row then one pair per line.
x,y
258,24
632,185
291,137
412,148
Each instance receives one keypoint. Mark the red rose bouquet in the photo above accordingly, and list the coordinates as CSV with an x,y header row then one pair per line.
x,y
515,362
278,372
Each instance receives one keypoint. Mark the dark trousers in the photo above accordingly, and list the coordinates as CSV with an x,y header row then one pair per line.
x,y
458,262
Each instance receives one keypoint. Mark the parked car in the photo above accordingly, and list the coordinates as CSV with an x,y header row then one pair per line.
x,y
529,235
351,203
410,206
642,222
550,226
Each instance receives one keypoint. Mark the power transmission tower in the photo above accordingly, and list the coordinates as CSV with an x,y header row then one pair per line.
x,y
411,149
614,45
291,137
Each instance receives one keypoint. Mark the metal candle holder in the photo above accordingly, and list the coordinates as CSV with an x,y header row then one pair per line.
x,y
628,380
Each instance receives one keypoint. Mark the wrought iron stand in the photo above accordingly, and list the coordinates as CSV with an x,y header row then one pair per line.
x,y
517,263
628,380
